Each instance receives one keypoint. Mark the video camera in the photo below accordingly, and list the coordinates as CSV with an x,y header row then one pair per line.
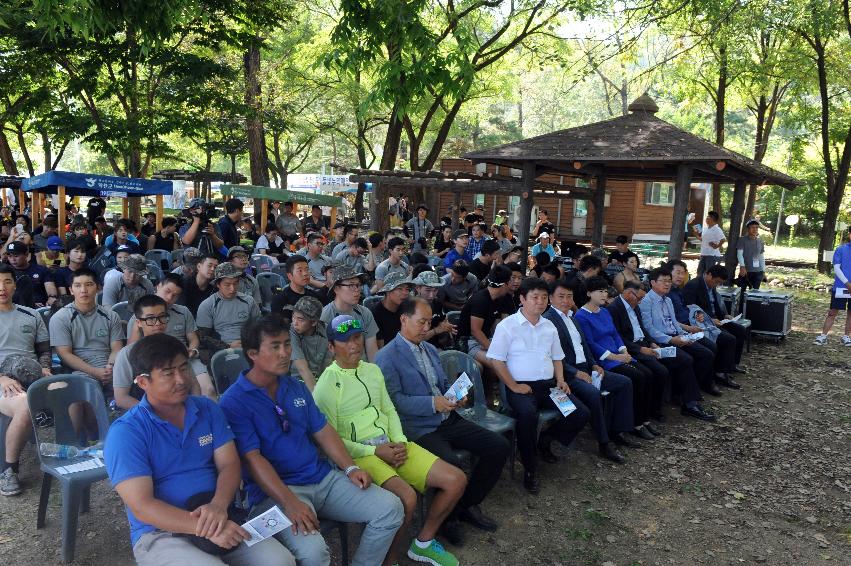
x,y
201,208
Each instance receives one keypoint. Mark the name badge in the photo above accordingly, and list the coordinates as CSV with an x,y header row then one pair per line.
x,y
755,262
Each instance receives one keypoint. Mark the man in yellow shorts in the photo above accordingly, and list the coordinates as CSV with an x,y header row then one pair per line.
x,y
354,398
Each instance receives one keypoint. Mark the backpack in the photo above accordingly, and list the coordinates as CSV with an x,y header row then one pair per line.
x,y
102,262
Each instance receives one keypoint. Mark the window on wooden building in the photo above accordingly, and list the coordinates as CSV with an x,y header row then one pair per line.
x,y
661,194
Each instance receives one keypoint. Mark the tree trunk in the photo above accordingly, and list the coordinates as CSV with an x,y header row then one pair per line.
x,y
392,140
48,153
254,121
681,193
736,210
6,156
720,111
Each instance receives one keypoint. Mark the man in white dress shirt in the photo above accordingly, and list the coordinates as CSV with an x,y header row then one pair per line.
x,y
526,354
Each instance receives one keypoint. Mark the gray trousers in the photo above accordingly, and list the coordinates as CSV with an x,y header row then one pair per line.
x,y
337,498
707,261
159,548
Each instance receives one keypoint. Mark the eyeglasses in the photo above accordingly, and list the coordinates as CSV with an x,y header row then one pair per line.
x,y
282,415
344,327
153,320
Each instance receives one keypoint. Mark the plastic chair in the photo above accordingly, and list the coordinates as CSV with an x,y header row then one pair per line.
x,y
454,363
260,263
45,315
226,365
155,272
545,416
4,424
176,257
268,281
162,258
454,318
57,394
99,298
371,302
122,310
326,526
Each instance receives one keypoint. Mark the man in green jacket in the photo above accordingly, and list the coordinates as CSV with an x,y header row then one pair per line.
x,y
352,395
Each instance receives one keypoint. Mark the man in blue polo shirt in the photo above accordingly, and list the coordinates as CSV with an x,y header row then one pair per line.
x,y
170,450
276,422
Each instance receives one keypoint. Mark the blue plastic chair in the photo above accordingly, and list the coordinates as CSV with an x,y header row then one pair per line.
x,y
267,281
45,315
57,394
260,263
226,365
176,257
454,363
155,272
122,310
160,257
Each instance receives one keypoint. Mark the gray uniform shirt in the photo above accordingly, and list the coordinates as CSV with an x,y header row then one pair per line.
x,y
358,263
116,290
20,330
313,348
122,371
180,323
89,335
315,266
226,316
460,293
248,285
752,251
385,268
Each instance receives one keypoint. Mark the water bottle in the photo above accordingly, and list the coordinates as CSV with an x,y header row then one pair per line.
x,y
64,451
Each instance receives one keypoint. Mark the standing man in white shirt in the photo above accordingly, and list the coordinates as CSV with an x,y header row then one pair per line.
x,y
711,239
526,354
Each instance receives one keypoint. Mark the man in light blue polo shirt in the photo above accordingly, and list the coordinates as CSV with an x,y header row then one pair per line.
x,y
276,422
840,293
172,449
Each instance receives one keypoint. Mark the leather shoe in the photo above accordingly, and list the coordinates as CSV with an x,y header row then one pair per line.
x,y
451,531
475,517
713,390
642,432
739,369
546,452
619,439
698,413
608,452
728,381
652,429
531,483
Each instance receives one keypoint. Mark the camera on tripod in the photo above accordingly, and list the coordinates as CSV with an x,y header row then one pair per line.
x,y
201,209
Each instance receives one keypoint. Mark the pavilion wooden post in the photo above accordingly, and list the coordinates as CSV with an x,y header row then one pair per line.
x,y
160,210
22,201
125,208
681,191
737,211
60,196
599,205
264,215
333,220
4,196
456,207
526,200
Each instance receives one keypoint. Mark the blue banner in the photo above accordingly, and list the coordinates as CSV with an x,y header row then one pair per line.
x,y
84,184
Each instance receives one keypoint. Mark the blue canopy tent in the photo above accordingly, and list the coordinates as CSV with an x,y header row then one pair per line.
x,y
66,183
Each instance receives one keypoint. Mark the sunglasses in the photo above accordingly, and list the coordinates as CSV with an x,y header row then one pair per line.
x,y
344,327
282,415
153,320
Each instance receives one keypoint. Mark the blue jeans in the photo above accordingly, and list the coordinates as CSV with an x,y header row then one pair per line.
x,y
337,498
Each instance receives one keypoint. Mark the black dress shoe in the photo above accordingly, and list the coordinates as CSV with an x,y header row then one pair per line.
x,y
727,381
619,439
697,413
652,429
531,483
739,369
641,432
475,517
451,531
713,390
608,452
546,452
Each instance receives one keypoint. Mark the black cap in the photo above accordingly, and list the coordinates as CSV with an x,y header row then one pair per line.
x,y
499,276
17,248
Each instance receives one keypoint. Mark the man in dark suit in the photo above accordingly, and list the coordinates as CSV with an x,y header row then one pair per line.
x,y
627,320
578,367
702,291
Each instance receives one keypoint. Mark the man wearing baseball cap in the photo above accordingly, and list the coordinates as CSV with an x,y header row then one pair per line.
x,y
346,290
310,344
750,251
132,284
461,239
354,398
52,257
191,234
223,314
39,290
544,245
397,288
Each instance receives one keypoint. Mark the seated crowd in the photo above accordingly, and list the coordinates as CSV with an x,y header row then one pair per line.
x,y
341,414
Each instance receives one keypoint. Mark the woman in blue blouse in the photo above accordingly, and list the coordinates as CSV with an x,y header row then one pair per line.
x,y
610,351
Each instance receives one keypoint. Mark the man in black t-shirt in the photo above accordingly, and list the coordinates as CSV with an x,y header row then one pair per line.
x,y
481,313
95,208
481,266
622,253
199,286
397,288
298,274
544,225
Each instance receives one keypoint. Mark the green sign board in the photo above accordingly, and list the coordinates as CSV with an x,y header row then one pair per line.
x,y
269,193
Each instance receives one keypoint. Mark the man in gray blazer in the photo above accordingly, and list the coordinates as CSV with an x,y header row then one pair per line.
x,y
416,383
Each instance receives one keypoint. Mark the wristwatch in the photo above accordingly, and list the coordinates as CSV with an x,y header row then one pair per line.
x,y
351,469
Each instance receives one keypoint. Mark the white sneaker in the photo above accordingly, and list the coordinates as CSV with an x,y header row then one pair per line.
x,y
846,340
9,484
820,340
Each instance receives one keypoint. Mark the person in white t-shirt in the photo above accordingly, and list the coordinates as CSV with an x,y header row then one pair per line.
x,y
711,239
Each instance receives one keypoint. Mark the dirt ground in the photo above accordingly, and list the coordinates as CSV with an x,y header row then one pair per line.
x,y
770,483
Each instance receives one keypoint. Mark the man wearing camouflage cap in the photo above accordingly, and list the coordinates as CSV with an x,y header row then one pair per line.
x,y
427,285
190,259
25,354
132,284
309,342
346,290
397,288
223,314
238,256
